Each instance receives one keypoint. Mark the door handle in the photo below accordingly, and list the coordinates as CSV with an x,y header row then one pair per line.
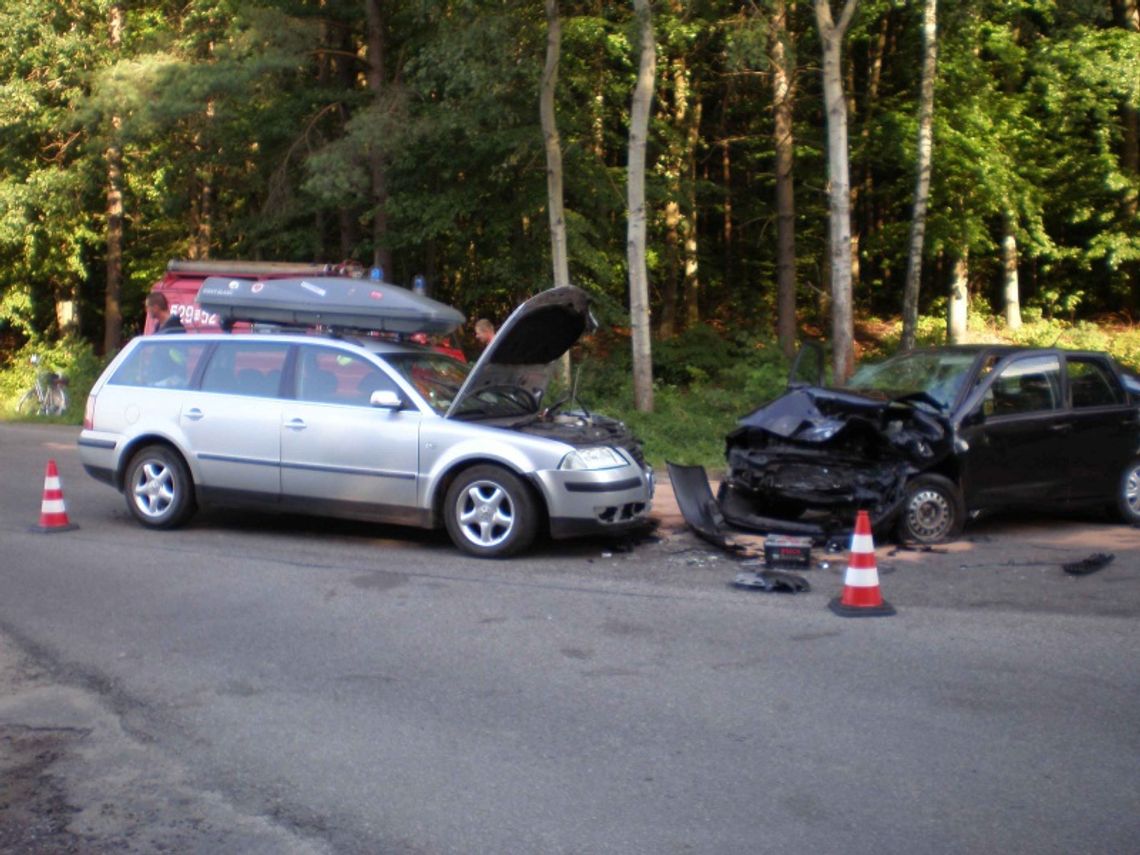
x,y
194,414
1061,428
296,424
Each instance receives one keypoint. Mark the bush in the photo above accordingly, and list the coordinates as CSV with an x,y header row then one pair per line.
x,y
71,357
703,383
697,355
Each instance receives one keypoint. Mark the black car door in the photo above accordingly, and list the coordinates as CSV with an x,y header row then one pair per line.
x,y
1104,431
1016,441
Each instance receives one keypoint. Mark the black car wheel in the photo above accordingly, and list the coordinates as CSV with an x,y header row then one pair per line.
x,y
158,488
490,513
933,510
1128,497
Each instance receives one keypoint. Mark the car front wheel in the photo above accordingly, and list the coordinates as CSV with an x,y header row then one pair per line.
x,y
1128,496
933,510
158,488
490,513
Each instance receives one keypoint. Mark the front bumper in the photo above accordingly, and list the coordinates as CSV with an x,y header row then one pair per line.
x,y
582,502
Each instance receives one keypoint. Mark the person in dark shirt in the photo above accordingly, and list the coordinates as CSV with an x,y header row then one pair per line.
x,y
159,309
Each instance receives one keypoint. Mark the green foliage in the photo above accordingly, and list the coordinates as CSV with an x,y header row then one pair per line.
x,y
71,357
718,380
251,130
697,355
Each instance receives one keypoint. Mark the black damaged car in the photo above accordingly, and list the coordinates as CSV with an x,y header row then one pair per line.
x,y
928,438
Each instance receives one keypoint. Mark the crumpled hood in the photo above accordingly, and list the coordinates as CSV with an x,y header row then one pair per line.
x,y
817,416
537,333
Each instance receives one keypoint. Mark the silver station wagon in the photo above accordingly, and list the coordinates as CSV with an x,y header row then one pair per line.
x,y
348,423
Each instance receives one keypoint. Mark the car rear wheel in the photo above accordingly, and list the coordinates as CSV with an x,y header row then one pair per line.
x,y
490,513
158,488
933,510
1128,496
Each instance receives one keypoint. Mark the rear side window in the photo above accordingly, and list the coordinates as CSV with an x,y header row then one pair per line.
x,y
245,368
1091,384
166,362
1031,385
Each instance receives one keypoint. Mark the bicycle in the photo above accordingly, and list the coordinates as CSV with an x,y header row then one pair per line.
x,y
48,397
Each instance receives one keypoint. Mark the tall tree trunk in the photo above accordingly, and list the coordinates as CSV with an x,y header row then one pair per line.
x,y
112,307
1128,16
381,255
922,176
727,231
677,225
842,318
959,302
669,288
1010,289
863,204
691,279
553,146
636,239
783,100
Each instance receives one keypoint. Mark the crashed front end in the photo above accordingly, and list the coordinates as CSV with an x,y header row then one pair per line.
x,y
808,461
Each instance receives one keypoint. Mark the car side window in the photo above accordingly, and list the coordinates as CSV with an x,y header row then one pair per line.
x,y
1091,384
245,368
329,376
1031,385
162,363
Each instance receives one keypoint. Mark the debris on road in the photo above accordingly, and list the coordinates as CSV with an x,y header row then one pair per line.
x,y
1096,561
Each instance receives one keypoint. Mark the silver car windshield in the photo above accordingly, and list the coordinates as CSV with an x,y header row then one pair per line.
x,y
939,376
438,379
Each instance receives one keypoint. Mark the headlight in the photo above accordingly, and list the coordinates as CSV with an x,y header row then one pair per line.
x,y
601,457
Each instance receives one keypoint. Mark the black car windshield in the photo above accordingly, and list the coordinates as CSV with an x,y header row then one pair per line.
x,y
438,379
939,375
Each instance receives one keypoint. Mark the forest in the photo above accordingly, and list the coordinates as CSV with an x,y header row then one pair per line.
x,y
410,135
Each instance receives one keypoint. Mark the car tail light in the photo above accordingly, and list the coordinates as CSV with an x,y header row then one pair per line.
x,y
89,413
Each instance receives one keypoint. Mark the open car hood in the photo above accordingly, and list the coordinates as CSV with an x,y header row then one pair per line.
x,y
537,333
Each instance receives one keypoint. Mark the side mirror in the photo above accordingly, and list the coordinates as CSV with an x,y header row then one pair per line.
x,y
386,399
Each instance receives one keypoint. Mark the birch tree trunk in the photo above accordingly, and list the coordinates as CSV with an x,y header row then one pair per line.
x,y
922,177
783,99
831,34
1128,15
636,234
958,305
112,307
1011,291
553,145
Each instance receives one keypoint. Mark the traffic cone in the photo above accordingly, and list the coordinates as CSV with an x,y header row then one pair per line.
x,y
53,514
861,596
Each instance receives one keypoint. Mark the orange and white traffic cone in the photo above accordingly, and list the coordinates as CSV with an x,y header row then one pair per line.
x,y
53,513
861,595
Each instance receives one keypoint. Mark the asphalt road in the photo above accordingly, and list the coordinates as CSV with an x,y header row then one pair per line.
x,y
285,685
